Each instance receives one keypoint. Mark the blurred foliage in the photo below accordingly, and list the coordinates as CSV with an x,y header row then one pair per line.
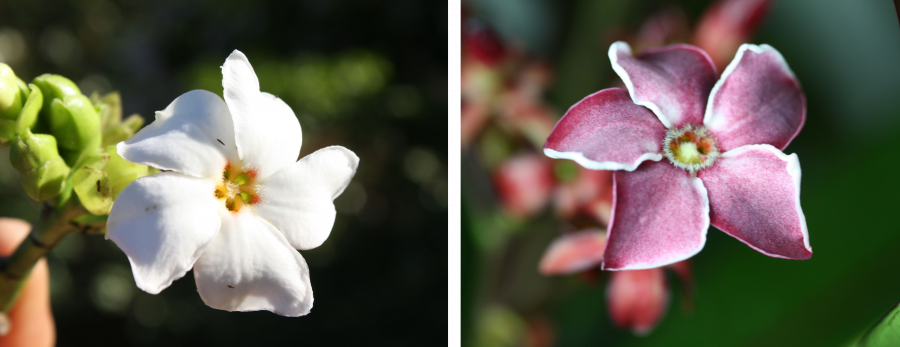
x,y
319,86
367,75
845,55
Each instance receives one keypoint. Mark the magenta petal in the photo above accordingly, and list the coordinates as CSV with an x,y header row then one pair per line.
x,y
757,101
660,216
607,131
673,81
754,195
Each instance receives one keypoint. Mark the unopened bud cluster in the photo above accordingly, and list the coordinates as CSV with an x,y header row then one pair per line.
x,y
63,142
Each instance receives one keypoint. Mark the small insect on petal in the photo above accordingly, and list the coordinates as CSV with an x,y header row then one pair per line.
x,y
229,286
98,186
220,141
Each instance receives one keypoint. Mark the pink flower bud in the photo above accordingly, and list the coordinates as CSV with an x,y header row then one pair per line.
x,y
726,25
524,184
481,41
637,299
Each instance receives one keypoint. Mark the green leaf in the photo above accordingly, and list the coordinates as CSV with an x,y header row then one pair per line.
x,y
884,333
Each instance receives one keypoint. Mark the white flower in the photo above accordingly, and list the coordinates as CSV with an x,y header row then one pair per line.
x,y
236,203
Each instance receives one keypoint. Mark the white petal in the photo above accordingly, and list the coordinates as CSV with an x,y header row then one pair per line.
x,y
251,267
163,223
266,129
298,200
194,135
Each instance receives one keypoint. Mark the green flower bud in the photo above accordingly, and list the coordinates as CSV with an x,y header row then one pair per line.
x,y
92,184
41,169
11,97
55,87
76,125
122,131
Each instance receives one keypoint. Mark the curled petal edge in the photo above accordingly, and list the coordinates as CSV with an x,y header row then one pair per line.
x,y
579,158
707,116
614,60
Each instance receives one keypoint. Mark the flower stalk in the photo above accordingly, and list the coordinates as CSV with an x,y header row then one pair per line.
x,y
52,226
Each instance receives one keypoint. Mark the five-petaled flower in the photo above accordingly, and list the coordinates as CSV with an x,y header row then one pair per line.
x,y
236,202
690,151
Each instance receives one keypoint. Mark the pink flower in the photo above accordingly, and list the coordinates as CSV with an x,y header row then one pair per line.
x,y
691,151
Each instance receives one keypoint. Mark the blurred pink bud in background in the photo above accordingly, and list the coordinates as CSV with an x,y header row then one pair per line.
x,y
574,252
524,184
636,299
482,42
726,25
590,193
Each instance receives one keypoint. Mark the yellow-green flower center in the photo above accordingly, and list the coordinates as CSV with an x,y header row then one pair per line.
x,y
690,147
237,188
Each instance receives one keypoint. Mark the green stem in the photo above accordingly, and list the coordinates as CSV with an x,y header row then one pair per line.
x,y
44,235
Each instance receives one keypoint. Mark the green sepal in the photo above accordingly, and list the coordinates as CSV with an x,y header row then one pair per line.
x,y
41,169
122,131
109,107
55,87
23,88
92,184
76,125
29,115
122,172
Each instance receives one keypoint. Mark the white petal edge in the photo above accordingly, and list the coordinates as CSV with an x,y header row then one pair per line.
x,y
169,212
579,158
614,59
298,199
267,133
251,267
793,169
708,120
698,184
189,144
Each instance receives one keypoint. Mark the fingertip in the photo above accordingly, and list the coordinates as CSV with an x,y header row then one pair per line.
x,y
12,232
31,317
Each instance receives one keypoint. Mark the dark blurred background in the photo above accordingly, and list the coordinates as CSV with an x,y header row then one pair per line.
x,y
367,75
846,55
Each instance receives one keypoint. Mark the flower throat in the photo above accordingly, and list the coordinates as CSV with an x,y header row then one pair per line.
x,y
690,147
237,189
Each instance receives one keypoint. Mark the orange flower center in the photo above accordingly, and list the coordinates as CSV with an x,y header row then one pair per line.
x,y
237,188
